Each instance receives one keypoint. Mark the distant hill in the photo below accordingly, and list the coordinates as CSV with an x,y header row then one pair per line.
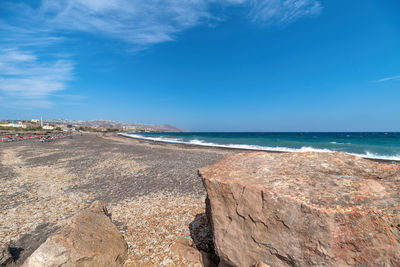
x,y
116,124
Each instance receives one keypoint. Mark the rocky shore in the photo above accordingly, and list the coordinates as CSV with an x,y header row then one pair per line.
x,y
152,191
239,209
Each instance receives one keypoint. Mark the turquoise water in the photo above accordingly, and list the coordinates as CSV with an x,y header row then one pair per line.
x,y
371,145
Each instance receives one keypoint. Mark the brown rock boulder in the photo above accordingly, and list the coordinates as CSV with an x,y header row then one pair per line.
x,y
90,239
304,209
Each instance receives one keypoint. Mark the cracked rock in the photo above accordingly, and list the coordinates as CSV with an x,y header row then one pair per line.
x,y
304,209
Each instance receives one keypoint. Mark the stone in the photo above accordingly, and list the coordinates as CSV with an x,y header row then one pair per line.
x,y
201,233
6,259
89,239
304,209
183,250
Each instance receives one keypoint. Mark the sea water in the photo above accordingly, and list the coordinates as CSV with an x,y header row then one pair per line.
x,y
366,144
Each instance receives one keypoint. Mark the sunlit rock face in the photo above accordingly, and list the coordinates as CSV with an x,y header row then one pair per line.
x,y
304,209
89,239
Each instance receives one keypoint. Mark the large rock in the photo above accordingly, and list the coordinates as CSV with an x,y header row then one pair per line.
x,y
304,209
90,239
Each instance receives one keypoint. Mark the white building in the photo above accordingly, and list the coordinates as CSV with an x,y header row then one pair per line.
x,y
14,125
48,127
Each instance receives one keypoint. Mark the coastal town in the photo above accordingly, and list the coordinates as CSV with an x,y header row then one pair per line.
x,y
18,130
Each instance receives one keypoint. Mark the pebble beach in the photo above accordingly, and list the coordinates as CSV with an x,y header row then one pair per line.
x,y
152,191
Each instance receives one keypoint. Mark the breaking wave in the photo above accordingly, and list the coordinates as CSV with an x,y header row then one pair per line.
x,y
198,142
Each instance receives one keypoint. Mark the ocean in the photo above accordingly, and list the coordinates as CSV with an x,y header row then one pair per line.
x,y
366,144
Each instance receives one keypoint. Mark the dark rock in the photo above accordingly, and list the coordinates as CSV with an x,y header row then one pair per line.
x,y
6,260
201,233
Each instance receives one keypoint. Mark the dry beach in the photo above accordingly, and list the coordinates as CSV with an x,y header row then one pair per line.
x,y
152,191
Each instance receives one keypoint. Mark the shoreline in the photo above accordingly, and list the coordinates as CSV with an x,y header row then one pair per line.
x,y
235,149
45,184
197,146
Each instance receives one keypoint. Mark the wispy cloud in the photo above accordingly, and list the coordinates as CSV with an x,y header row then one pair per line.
x,y
392,78
147,22
283,12
31,75
26,104
137,22
23,76
21,36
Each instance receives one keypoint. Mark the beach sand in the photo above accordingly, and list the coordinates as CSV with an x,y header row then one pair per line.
x,y
152,191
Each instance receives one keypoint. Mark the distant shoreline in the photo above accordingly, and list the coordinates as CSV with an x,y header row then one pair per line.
x,y
226,148
185,145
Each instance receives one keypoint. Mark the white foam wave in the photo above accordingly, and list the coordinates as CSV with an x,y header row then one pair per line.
x,y
339,143
198,142
370,155
159,139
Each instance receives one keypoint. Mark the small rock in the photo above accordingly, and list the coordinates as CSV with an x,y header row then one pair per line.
x,y
90,239
6,259
182,250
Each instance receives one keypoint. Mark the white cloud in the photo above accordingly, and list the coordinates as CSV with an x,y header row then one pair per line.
x,y
146,22
23,76
392,78
137,21
283,11
10,55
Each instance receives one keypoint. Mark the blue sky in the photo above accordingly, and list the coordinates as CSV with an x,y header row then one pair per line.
x,y
204,65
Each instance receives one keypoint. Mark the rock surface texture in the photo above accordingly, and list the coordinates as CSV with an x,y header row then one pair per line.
x,y
304,209
90,239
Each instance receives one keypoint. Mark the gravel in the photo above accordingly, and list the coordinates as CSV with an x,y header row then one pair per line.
x,y
152,190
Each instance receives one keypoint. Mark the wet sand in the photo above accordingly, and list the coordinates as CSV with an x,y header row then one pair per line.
x,y
152,190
